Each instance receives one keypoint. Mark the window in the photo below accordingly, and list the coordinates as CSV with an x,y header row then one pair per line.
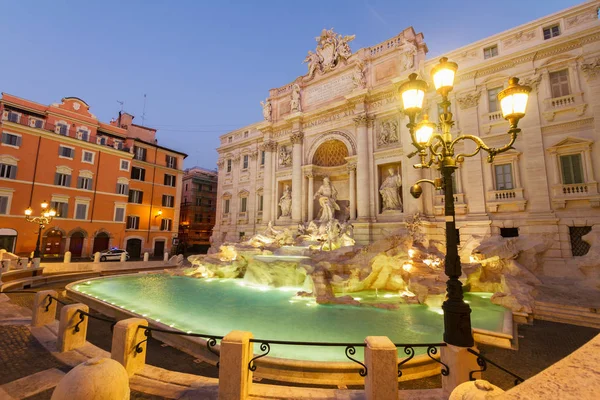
x,y
226,207
61,207
551,31
244,204
133,222
246,134
124,165
139,153
84,183
559,82
245,162
198,201
14,117
62,179
81,211
137,173
493,103
572,170
242,235
230,139
119,214
36,123
490,52
168,201
4,205
229,165
62,129
8,171
260,203
83,134
165,224
208,202
66,152
136,196
117,144
170,180
11,139
171,162
578,246
87,157
504,180
122,188
101,140
262,157
509,232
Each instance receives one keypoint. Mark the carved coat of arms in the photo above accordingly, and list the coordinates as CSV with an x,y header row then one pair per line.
x,y
332,49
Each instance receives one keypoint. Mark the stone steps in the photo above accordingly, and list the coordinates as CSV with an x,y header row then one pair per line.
x,y
567,314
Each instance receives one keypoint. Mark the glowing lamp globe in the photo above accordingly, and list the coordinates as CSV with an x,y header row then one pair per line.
x,y
443,75
424,130
513,101
413,94
44,204
52,212
29,211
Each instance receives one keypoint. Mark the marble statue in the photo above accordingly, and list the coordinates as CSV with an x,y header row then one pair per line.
x,y
331,50
267,109
295,103
314,63
358,76
285,157
285,202
408,56
389,191
327,195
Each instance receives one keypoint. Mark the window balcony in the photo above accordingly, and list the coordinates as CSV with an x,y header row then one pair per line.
x,y
562,193
506,200
242,218
460,207
572,103
492,119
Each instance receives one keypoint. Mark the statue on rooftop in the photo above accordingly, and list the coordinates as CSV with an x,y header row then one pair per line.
x,y
267,109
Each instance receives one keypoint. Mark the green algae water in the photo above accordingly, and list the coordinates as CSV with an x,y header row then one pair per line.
x,y
218,306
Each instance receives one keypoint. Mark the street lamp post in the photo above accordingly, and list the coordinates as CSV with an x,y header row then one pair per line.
x,y
45,218
438,150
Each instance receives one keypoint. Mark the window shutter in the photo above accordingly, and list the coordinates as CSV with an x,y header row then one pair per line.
x,y
142,174
126,189
3,204
68,181
4,137
19,140
141,197
80,183
13,172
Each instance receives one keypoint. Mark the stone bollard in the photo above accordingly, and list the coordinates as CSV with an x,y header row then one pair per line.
x,y
235,377
68,338
123,257
97,257
67,257
166,257
381,359
146,257
96,378
36,262
460,362
126,335
40,316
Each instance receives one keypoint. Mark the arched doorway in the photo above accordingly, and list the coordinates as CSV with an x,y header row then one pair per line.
x,y
76,244
54,243
134,247
101,241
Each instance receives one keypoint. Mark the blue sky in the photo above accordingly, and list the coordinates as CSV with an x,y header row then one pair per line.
x,y
205,65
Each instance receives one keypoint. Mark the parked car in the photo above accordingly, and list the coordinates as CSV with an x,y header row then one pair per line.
x,y
114,254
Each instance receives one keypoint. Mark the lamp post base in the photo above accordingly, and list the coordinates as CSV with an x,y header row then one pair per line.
x,y
457,316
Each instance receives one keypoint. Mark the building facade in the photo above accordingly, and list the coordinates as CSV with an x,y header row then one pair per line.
x,y
343,120
198,208
85,170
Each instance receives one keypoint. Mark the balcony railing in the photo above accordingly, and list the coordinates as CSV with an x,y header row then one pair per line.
x,y
505,195
564,101
459,204
576,191
569,103
514,198
101,140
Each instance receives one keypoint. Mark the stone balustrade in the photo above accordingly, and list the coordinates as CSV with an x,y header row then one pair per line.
x,y
460,205
509,197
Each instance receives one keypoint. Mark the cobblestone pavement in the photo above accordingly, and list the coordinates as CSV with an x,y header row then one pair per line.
x,y
540,345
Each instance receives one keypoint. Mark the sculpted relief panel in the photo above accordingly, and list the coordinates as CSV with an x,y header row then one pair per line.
x,y
387,132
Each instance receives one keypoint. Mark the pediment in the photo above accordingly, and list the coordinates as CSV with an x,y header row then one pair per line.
x,y
75,105
571,141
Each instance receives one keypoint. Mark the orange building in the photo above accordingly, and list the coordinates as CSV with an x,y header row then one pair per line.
x,y
89,172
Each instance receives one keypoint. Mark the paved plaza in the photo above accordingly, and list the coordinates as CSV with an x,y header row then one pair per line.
x,y
30,371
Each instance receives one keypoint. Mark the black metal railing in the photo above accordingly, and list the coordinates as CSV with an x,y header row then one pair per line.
x,y
482,362
409,350
50,298
211,340
83,314
20,291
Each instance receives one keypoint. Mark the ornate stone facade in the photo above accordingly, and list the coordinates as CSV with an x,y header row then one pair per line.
x,y
347,125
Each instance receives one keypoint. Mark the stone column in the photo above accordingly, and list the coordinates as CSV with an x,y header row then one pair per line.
x,y
362,170
269,147
297,139
234,204
311,193
352,171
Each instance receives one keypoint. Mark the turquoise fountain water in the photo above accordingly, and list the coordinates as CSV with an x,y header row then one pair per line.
x,y
218,306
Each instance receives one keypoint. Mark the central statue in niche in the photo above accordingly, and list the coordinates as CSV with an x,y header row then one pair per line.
x,y
327,195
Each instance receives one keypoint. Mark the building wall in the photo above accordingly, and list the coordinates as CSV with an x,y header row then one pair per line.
x,y
364,119
198,207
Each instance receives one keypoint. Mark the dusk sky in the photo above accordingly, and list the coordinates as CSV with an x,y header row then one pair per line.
x,y
205,65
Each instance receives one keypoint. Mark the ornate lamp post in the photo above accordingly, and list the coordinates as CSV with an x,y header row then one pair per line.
x,y
44,219
437,150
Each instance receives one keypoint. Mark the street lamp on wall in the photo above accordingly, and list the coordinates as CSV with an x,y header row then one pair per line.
x,y
435,146
44,219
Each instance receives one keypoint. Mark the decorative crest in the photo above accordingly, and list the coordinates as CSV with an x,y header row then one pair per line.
x,y
331,49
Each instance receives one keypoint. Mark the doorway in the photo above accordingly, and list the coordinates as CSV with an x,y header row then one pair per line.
x,y
159,248
134,248
54,246
76,244
101,242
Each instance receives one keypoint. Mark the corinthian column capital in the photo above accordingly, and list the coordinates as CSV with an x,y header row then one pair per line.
x,y
297,138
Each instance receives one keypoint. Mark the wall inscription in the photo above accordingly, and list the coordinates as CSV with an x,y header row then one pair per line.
x,y
333,88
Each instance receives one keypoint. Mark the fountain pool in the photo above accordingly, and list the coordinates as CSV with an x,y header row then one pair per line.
x,y
218,306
